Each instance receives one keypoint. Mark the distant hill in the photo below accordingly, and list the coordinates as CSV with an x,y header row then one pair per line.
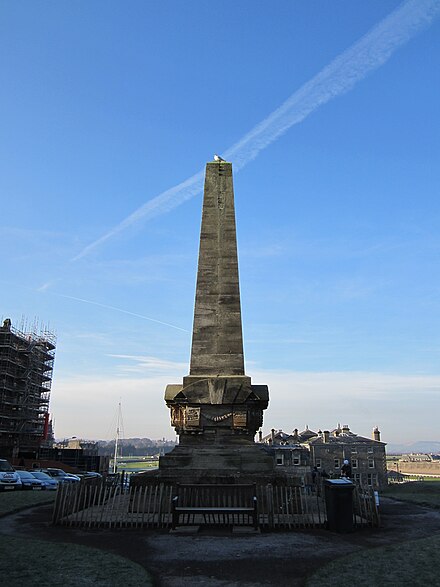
x,y
135,446
421,446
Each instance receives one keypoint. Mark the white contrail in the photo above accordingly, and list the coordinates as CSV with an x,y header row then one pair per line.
x,y
159,205
118,310
337,78
340,76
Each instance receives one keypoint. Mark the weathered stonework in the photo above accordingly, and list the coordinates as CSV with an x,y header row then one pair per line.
x,y
216,411
217,344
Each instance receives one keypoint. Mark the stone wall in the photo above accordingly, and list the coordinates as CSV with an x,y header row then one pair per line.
x,y
417,467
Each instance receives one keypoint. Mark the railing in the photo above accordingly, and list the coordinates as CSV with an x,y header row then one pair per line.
x,y
365,507
289,507
97,504
100,504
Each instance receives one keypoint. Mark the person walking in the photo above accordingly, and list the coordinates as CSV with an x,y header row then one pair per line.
x,y
346,469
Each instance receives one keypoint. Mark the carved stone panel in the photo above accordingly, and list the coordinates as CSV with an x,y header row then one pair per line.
x,y
239,419
192,417
177,416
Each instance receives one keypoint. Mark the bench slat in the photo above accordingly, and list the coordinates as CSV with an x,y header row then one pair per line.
x,y
212,509
214,499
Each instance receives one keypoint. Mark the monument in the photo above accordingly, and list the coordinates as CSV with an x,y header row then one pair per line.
x,y
216,411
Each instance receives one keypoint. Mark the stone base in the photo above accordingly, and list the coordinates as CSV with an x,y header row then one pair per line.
x,y
216,464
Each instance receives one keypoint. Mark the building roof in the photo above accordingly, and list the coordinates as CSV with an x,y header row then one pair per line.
x,y
306,434
344,438
339,435
280,438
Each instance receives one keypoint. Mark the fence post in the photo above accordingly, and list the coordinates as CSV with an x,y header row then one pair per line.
x,y
57,510
270,506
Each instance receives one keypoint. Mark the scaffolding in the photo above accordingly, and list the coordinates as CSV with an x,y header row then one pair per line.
x,y
26,367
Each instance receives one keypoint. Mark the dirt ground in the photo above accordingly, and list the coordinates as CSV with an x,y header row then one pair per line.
x,y
218,558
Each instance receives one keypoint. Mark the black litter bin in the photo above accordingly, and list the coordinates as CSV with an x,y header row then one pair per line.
x,y
339,504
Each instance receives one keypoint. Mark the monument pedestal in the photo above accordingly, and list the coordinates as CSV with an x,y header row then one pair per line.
x,y
243,463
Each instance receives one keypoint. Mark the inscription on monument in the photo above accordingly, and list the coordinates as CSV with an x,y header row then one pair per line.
x,y
193,417
239,419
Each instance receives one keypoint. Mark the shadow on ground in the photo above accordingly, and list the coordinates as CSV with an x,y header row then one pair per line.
x,y
216,558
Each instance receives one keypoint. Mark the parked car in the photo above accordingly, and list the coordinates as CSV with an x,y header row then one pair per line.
x,y
28,481
70,477
9,480
60,475
47,481
91,475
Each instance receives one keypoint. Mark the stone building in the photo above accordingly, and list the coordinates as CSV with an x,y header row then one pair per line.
x,y
326,450
367,456
291,456
79,455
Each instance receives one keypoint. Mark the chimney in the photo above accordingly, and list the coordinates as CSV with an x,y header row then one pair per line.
x,y
376,434
326,436
345,429
272,435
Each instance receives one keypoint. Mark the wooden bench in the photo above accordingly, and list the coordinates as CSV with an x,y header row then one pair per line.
x,y
215,503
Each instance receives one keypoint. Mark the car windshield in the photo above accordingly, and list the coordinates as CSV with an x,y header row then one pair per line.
x,y
42,476
25,474
57,473
5,467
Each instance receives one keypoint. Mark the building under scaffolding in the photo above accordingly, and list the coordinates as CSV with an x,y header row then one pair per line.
x,y
26,366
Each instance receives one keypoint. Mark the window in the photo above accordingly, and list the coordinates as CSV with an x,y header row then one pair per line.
x,y
354,463
370,449
357,478
280,458
354,450
318,463
5,467
337,464
296,461
371,463
370,479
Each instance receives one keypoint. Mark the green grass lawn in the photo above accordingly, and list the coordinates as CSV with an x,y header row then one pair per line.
x,y
425,493
138,465
37,562
408,563
27,561
14,501
135,466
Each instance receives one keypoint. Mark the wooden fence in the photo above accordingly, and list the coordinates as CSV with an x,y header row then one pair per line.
x,y
90,505
365,507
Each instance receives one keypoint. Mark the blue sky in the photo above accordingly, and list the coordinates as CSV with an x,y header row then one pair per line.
x,y
106,105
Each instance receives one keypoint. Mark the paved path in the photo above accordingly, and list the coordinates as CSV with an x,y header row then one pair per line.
x,y
220,559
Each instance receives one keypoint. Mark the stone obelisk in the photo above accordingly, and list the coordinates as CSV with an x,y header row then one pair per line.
x,y
216,411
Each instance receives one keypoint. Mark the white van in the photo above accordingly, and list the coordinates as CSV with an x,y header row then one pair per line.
x,y
9,478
